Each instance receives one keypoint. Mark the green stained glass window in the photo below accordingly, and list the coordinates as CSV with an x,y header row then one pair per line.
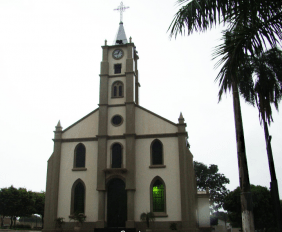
x,y
158,197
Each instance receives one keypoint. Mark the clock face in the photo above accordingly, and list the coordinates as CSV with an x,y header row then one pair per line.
x,y
118,53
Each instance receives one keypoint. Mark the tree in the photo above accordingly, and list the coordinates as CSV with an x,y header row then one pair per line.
x,y
208,177
263,213
16,202
39,203
250,24
265,90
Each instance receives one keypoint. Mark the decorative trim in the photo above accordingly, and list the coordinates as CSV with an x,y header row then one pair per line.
x,y
149,136
156,115
160,214
157,166
80,120
79,169
71,140
117,75
182,133
131,72
110,137
116,105
115,170
115,137
129,134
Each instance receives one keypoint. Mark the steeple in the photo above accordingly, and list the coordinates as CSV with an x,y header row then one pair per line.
x,y
121,37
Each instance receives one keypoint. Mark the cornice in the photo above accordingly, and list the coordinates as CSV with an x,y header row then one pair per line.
x,y
115,137
70,140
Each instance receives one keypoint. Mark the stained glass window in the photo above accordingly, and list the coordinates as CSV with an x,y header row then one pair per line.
x,y
80,156
79,198
157,153
158,197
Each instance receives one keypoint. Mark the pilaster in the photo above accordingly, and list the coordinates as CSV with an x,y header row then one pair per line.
x,y
187,184
53,181
130,137
102,138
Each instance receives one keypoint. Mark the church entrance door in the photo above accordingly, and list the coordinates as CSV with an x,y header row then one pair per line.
x,y
116,203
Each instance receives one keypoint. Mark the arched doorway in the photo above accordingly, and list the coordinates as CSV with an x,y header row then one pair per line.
x,y
116,203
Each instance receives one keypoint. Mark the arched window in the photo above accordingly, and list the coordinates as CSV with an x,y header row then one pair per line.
x,y
79,156
158,197
116,155
156,152
117,89
78,197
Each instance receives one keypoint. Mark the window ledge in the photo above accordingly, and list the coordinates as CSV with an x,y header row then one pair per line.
x,y
160,214
117,170
79,169
117,96
157,166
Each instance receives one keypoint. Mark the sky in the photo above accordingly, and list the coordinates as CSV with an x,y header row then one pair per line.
x,y
50,54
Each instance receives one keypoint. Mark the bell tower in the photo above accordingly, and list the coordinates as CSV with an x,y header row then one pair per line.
x,y
118,97
119,74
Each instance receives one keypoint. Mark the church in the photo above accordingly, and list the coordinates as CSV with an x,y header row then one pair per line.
x,y
122,160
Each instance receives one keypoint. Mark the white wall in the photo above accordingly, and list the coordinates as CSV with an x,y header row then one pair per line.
x,y
204,212
170,175
68,177
88,127
147,123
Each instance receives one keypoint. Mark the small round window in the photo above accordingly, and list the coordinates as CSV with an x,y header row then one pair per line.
x,y
117,120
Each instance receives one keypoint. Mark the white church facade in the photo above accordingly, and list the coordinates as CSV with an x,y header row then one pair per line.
x,y
121,159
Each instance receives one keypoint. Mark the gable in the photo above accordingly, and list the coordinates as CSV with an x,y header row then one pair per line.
x,y
148,122
83,128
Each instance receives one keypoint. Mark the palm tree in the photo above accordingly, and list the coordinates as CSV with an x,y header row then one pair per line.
x,y
228,80
265,90
250,25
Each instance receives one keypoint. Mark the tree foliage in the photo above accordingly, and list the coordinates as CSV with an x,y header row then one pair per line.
x,y
261,81
208,177
20,202
262,207
256,22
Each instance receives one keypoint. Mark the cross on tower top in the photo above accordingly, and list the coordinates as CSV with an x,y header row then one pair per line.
x,y
121,8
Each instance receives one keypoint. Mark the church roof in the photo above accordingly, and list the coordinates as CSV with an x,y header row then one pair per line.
x,y
121,37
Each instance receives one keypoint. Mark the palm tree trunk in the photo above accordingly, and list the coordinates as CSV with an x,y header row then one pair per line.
x,y
246,197
273,183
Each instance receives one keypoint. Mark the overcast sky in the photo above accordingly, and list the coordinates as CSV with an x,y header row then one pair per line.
x,y
50,54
